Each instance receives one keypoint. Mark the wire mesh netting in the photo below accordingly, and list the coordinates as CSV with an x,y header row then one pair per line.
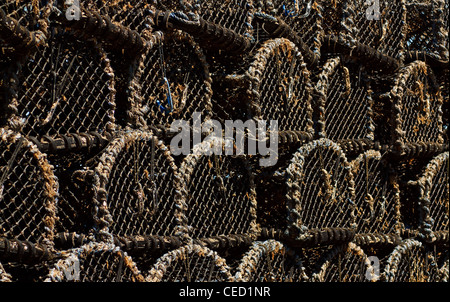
x,y
377,194
218,192
382,27
432,202
343,103
321,189
28,190
66,86
411,262
99,182
171,82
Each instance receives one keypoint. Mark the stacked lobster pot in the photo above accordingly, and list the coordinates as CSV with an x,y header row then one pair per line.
x,y
116,163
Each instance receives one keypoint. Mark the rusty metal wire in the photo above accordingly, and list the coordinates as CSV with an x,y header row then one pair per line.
x,y
377,194
28,191
270,261
217,193
320,189
191,263
410,262
94,262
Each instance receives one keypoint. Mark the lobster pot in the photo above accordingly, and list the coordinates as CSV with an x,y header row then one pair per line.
x,y
94,262
320,189
343,103
345,263
270,261
304,17
28,191
429,197
236,15
171,82
411,261
217,193
427,28
280,87
191,263
66,86
416,112
377,194
382,28
130,190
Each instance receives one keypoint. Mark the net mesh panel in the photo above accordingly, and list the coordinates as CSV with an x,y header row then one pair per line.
x,y
139,185
106,266
411,262
95,262
232,14
269,261
191,263
305,21
432,194
376,195
74,207
282,87
421,111
27,190
347,109
220,198
320,188
185,69
132,14
65,87
387,34
345,263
